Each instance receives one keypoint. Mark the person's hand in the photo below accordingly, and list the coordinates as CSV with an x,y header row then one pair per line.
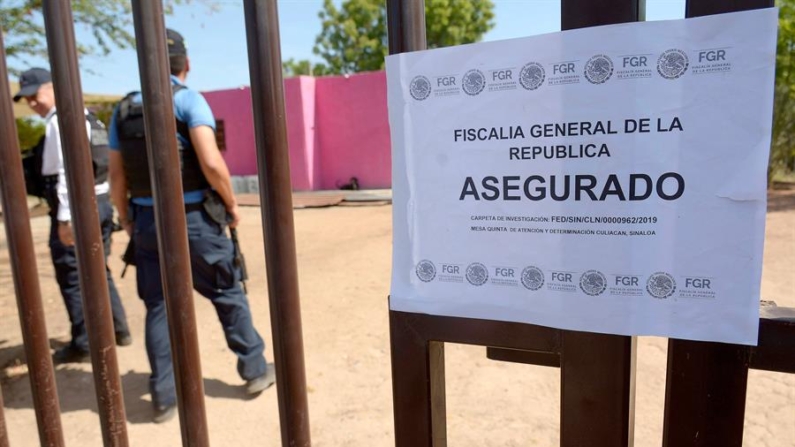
x,y
128,227
234,214
65,233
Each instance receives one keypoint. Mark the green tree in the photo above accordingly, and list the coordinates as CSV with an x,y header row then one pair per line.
x,y
110,23
304,67
29,130
782,156
354,36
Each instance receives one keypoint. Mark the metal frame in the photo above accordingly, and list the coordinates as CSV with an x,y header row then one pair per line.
x,y
597,370
170,219
268,102
706,383
26,276
278,231
85,217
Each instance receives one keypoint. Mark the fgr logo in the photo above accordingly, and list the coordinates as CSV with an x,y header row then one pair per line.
x,y
445,81
635,61
598,69
672,64
661,285
563,68
477,274
593,282
532,76
473,82
426,271
626,281
712,56
532,278
420,88
698,283
502,75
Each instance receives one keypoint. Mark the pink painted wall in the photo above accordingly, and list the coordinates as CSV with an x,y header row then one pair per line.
x,y
337,128
299,102
234,108
353,130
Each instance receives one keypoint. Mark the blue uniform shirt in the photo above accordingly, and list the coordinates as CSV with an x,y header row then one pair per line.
x,y
191,108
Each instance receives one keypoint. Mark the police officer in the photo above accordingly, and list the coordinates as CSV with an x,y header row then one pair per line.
x,y
206,183
36,87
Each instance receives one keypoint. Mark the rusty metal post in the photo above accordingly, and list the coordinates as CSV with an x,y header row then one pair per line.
x,y
406,25
597,390
26,279
90,260
418,381
705,391
267,97
172,235
3,430
597,370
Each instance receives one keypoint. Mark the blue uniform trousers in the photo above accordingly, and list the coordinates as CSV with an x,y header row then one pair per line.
x,y
215,276
64,260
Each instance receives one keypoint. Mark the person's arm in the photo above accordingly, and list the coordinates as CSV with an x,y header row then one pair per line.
x,y
53,147
118,182
118,188
193,109
214,167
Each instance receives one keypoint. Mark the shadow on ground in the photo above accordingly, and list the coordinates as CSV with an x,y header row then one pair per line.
x,y
76,390
781,197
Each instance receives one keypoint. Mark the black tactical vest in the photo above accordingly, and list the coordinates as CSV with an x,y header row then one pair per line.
x,y
132,142
33,159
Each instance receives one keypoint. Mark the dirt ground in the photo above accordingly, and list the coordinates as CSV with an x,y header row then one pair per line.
x,y
344,256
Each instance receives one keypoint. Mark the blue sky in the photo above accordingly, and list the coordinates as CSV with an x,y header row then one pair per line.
x,y
217,45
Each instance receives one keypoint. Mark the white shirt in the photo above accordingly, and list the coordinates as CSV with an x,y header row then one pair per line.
x,y
52,164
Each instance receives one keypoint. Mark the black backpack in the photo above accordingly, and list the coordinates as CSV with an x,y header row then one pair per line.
x,y
132,141
99,148
34,157
31,167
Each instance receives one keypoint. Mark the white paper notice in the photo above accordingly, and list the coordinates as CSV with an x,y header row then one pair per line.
x,y
607,179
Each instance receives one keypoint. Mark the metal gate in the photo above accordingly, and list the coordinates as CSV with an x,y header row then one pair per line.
x,y
706,382
268,101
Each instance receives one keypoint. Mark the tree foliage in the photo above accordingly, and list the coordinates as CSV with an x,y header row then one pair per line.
x,y
29,130
782,156
109,21
303,67
354,36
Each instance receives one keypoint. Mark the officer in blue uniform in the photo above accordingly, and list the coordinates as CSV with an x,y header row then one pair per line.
x,y
50,181
206,182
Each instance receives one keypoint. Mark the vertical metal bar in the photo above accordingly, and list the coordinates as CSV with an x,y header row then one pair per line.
x,y
705,394
418,380
267,97
3,430
26,281
172,236
438,395
706,382
406,25
597,390
597,370
583,13
418,385
91,261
